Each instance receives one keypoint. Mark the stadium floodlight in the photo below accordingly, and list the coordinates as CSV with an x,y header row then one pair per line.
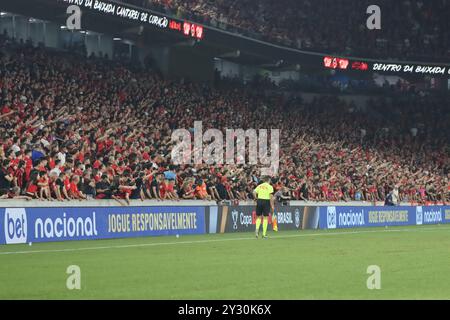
x,y
93,33
233,54
34,20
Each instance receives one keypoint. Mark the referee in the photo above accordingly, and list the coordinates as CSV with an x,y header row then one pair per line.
x,y
264,204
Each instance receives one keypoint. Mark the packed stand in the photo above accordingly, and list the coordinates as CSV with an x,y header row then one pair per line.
x,y
78,128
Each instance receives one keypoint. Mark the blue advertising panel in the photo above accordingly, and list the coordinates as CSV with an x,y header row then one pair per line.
x,y
336,217
22,225
447,214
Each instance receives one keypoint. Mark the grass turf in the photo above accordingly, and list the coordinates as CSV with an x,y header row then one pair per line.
x,y
313,264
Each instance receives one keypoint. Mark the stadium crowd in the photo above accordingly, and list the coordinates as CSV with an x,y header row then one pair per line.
x,y
410,29
79,128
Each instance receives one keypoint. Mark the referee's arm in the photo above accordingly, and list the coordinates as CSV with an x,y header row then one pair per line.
x,y
272,202
255,193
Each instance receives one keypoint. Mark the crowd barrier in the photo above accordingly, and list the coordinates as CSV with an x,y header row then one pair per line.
x,y
336,217
23,222
23,225
241,218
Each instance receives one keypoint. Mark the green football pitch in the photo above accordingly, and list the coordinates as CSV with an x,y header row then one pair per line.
x,y
414,264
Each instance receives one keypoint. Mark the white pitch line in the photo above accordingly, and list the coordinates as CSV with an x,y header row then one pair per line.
x,y
217,240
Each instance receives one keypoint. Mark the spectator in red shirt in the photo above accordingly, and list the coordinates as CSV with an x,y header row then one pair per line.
x,y
74,192
44,187
32,188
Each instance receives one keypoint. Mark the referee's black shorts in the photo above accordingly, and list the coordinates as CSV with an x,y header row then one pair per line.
x,y
262,207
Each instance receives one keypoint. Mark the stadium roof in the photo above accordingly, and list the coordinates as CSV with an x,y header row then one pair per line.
x,y
215,43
